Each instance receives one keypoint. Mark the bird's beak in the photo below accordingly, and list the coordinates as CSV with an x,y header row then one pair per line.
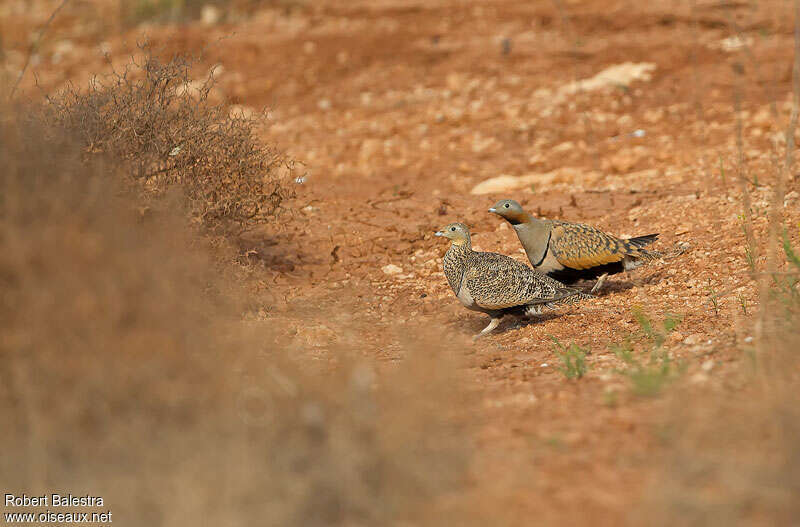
x,y
438,233
493,210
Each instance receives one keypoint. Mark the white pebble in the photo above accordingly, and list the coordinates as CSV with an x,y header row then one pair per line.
x,y
391,269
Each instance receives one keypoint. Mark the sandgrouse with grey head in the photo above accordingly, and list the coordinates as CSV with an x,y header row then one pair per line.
x,y
496,284
572,251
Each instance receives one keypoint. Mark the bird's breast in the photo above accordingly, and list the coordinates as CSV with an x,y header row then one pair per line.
x,y
550,263
535,241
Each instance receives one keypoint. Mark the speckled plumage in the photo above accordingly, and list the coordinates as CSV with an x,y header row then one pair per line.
x,y
572,251
496,284
580,246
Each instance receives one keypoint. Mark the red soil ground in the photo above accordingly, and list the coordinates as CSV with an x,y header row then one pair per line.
x,y
398,108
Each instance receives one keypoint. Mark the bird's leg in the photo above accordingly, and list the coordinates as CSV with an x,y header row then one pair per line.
x,y
492,324
599,283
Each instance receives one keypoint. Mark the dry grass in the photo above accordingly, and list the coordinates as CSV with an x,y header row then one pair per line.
x,y
127,372
158,124
733,454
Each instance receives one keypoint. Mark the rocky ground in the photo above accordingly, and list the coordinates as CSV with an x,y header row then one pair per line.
x,y
407,115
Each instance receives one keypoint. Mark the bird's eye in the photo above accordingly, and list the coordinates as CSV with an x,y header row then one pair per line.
x,y
453,229
506,205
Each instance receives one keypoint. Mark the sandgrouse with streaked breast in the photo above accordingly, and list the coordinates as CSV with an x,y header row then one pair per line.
x,y
496,284
570,252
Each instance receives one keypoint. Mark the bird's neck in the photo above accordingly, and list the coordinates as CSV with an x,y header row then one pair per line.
x,y
463,243
460,248
455,261
523,219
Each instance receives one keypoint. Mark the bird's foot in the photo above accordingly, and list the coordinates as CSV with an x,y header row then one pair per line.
x,y
535,310
599,283
492,324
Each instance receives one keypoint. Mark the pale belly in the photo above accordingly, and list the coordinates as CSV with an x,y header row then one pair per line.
x,y
465,297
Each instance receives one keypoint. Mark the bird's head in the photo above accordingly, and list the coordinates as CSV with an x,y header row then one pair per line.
x,y
458,233
510,210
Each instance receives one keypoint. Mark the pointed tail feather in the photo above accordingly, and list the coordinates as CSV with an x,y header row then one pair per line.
x,y
641,241
569,296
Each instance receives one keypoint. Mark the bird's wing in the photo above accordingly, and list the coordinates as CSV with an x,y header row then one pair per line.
x,y
579,246
496,281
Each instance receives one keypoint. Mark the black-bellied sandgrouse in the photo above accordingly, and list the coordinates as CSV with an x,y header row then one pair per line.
x,y
496,284
572,251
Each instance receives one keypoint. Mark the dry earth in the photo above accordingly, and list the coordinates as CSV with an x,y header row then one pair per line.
x,y
616,113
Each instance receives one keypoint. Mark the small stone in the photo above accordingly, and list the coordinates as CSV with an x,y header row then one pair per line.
x,y
455,81
536,159
566,146
317,336
369,149
653,116
210,15
763,118
391,269
62,49
623,161
731,44
498,184
692,340
507,182
625,121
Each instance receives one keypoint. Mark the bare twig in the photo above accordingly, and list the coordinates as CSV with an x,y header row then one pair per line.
x,y
35,45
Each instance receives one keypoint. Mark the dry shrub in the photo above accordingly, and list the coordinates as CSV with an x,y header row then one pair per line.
x,y
159,124
128,373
